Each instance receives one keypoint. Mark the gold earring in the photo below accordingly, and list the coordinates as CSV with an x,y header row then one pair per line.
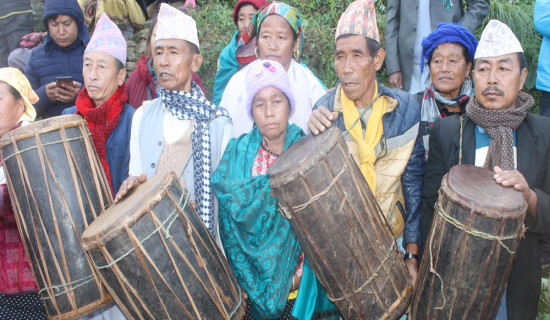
x,y
296,55
256,52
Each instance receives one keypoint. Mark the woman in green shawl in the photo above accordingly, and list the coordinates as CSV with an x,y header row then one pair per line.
x,y
258,242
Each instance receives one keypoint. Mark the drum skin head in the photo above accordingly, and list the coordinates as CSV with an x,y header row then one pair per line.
x,y
477,189
108,225
310,149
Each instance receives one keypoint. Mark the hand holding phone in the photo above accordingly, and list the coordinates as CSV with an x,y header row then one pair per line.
x,y
64,80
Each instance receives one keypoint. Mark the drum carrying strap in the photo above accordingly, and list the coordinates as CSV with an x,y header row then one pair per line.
x,y
460,140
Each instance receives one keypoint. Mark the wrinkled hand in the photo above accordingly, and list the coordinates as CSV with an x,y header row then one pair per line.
x,y
396,80
514,178
320,120
51,91
128,184
67,93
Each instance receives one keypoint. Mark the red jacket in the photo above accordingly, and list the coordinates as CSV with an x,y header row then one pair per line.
x,y
140,85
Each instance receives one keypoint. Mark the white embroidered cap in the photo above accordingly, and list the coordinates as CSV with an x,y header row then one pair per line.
x,y
496,40
174,24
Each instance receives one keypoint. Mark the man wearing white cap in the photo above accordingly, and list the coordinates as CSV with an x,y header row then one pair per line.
x,y
180,131
103,102
498,133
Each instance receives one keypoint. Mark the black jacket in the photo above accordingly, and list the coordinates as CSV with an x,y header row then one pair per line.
x,y
533,156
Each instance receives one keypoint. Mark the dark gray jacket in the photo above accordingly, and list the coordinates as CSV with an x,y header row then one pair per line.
x,y
401,22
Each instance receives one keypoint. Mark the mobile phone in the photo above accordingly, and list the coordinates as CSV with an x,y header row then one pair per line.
x,y
67,80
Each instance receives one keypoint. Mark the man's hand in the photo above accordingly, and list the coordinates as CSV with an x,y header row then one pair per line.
x,y
67,93
412,264
320,120
412,267
128,184
514,178
396,80
51,91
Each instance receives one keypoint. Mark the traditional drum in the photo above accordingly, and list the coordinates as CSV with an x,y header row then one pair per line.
x,y
58,188
159,261
341,228
475,231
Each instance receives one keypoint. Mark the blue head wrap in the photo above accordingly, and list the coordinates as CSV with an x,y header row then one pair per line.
x,y
447,32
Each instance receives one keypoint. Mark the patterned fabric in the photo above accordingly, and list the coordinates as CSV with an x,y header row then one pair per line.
x,y
430,110
259,243
263,161
267,73
107,38
186,106
500,125
17,80
496,40
240,3
22,307
174,24
448,32
284,10
359,19
373,133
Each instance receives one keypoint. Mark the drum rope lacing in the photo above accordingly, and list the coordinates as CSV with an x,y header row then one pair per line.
x,y
43,145
441,212
372,276
171,218
473,232
286,212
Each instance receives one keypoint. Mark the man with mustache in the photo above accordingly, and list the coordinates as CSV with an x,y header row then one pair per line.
x,y
498,133
383,125
180,131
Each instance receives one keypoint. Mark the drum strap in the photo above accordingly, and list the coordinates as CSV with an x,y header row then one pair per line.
x,y
460,140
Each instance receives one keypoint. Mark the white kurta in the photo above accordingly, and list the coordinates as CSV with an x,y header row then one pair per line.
x,y
306,88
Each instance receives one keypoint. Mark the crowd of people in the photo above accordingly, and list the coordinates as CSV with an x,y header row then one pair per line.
x,y
451,99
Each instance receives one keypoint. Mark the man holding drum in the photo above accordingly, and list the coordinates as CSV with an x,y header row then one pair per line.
x,y
180,131
498,133
382,125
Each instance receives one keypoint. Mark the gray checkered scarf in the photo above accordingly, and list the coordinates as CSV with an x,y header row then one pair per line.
x,y
500,125
186,106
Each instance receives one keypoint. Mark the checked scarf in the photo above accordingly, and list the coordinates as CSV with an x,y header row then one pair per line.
x,y
187,106
500,125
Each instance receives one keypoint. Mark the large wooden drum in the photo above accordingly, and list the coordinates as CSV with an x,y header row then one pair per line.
x,y
475,231
341,229
159,261
58,188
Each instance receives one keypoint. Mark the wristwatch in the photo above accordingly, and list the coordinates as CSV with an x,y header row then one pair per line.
x,y
410,256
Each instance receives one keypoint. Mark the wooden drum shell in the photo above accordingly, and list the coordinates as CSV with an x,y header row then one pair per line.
x,y
57,187
476,228
159,261
341,229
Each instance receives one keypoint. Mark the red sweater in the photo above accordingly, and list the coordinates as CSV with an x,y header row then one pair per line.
x,y
141,80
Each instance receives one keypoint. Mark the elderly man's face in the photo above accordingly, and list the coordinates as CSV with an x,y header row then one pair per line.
x,y
498,80
174,62
63,30
101,76
356,69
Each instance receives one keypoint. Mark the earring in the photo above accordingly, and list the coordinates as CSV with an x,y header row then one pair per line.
x,y
256,52
296,55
